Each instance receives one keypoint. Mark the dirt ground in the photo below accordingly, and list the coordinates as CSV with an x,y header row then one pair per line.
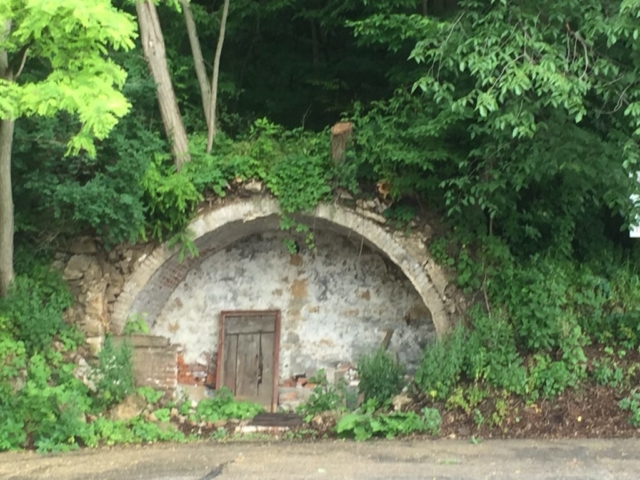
x,y
441,459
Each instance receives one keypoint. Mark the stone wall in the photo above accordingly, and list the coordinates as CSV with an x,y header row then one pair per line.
x,y
154,361
96,279
365,279
336,303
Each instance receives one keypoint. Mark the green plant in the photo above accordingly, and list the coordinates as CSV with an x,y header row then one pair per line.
x,y
171,197
34,308
500,412
223,407
547,377
631,404
478,417
606,371
136,324
219,434
150,395
113,432
325,397
441,365
362,426
381,377
113,376
162,414
400,215
151,432
466,398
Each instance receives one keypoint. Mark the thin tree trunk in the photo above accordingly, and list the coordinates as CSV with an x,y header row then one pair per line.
x,y
6,196
214,78
198,60
155,53
6,206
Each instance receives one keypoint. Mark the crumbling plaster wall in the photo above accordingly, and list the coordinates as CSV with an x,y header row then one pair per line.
x,y
159,273
335,303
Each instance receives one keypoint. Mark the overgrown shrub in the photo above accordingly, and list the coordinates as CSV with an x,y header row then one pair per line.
x,y
325,397
381,377
362,426
34,309
222,406
113,376
491,353
441,365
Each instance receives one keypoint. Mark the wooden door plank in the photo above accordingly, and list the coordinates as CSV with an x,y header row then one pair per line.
x,y
249,324
230,356
248,364
265,384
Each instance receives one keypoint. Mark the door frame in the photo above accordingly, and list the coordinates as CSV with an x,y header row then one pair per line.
x,y
276,346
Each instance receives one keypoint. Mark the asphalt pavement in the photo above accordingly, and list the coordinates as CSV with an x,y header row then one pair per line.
x,y
388,460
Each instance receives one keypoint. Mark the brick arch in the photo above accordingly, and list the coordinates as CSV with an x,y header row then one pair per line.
x,y
157,275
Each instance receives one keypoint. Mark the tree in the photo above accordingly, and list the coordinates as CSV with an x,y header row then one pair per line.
x,y
154,50
523,113
212,129
198,60
72,38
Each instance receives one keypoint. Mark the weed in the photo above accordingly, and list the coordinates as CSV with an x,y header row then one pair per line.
x,y
324,398
381,377
632,405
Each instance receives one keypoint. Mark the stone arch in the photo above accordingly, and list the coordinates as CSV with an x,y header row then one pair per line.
x,y
158,274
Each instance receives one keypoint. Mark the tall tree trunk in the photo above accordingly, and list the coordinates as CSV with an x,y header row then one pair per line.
x,y
6,196
214,78
155,53
198,60
6,206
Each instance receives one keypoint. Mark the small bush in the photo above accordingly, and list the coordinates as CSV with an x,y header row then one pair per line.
x,y
632,405
34,308
113,376
324,398
381,377
441,365
362,426
223,407
136,324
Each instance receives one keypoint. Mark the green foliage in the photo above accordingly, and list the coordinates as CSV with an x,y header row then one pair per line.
x,y
466,399
150,395
113,376
73,38
381,377
632,405
400,215
441,365
299,181
34,309
325,397
362,426
136,324
517,138
223,407
607,372
171,197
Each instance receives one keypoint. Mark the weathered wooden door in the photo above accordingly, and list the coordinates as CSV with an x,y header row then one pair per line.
x,y
248,356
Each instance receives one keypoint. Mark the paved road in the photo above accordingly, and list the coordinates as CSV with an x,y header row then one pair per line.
x,y
443,459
